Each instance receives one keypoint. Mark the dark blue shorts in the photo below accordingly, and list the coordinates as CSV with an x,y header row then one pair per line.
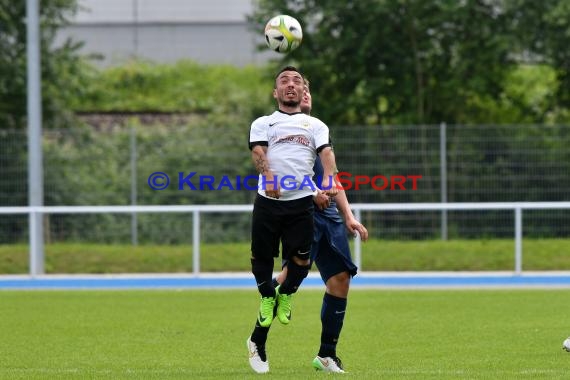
x,y
330,249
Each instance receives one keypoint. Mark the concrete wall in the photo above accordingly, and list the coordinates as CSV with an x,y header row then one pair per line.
x,y
206,31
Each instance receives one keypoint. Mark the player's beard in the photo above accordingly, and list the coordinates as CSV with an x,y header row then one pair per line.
x,y
291,103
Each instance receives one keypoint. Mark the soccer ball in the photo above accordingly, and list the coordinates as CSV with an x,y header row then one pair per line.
x,y
283,34
566,344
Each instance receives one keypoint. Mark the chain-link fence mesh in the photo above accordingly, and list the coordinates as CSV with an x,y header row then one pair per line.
x,y
112,166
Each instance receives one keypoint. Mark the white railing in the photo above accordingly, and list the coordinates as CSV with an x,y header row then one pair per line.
x,y
36,248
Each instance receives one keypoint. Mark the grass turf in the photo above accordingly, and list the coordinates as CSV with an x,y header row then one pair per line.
x,y
388,334
377,255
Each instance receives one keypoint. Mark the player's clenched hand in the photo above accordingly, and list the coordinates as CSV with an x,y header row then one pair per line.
x,y
322,201
330,186
272,190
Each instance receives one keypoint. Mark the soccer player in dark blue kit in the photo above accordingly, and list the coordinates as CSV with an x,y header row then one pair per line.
x,y
331,253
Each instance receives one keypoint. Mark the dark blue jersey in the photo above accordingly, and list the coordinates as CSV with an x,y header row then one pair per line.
x,y
330,212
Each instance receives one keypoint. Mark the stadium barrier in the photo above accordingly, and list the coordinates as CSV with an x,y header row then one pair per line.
x,y
36,212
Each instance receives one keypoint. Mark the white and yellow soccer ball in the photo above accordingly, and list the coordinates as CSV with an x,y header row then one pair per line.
x,y
283,34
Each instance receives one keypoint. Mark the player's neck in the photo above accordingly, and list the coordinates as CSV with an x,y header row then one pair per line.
x,y
289,109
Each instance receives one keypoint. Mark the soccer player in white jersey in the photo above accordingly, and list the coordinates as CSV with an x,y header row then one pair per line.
x,y
284,147
331,252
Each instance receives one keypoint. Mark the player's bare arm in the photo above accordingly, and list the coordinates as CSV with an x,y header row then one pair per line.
x,y
350,221
259,157
329,184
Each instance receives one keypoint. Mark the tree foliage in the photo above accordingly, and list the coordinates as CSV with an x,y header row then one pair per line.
x,y
62,80
415,61
544,31
61,66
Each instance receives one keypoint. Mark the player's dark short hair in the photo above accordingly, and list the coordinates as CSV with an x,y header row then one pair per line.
x,y
289,68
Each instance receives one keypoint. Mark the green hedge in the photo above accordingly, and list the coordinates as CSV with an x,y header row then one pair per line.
x,y
185,86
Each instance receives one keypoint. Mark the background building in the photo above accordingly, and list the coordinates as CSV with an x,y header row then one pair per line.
x,y
206,31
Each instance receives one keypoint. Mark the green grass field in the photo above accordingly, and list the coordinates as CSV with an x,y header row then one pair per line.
x,y
377,255
388,334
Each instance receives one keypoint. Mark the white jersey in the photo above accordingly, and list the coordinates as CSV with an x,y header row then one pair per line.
x,y
292,142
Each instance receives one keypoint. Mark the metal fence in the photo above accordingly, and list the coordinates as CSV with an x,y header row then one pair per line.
x,y
457,163
37,259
